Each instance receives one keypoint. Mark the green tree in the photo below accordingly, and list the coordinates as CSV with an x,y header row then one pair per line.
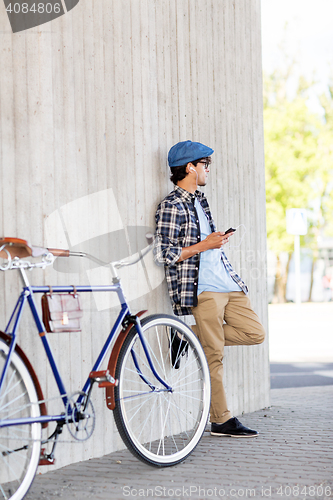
x,y
322,225
299,161
325,160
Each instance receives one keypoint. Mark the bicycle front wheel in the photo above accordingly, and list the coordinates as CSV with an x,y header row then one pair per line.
x,y
162,427
19,444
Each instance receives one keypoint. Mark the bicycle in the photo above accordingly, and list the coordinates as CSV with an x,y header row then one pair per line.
x,y
157,382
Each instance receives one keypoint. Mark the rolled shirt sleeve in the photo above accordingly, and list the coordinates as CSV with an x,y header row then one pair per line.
x,y
167,249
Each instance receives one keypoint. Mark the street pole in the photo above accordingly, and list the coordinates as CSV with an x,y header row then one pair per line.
x,y
297,224
297,255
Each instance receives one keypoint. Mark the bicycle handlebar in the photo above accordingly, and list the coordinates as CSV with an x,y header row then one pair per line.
x,y
129,261
133,259
13,248
58,252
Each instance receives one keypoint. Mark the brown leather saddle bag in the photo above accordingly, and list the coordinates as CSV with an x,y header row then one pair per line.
x,y
61,312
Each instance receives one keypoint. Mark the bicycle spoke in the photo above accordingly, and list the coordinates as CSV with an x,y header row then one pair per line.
x,y
184,412
162,427
144,361
186,367
147,418
179,422
137,408
3,493
19,444
164,424
9,387
20,409
160,350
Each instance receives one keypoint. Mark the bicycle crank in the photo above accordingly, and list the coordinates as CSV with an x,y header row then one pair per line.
x,y
80,416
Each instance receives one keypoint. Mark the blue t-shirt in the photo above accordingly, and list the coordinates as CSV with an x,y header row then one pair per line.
x,y
213,276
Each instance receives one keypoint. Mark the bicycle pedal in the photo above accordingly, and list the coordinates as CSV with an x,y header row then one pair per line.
x,y
103,378
108,384
45,459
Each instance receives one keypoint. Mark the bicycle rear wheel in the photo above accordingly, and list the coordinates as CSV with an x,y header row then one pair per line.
x,y
159,427
20,444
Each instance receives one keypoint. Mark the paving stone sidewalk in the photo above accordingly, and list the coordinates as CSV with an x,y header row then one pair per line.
x,y
291,458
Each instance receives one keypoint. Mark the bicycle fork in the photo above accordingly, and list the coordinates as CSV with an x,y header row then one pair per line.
x,y
152,367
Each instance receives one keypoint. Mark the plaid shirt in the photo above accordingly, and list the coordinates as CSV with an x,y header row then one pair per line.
x,y
177,226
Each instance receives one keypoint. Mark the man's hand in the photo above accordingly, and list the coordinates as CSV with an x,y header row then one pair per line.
x,y
213,240
216,240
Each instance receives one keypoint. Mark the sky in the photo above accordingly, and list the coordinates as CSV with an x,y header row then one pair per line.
x,y
306,28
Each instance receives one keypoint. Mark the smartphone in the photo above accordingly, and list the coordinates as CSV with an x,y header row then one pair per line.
x,y
230,230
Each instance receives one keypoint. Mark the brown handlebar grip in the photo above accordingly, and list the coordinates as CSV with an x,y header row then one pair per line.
x,y
58,252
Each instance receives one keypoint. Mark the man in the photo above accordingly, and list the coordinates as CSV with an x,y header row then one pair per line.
x,y
201,281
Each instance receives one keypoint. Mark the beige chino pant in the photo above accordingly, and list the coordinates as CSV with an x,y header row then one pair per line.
x,y
242,327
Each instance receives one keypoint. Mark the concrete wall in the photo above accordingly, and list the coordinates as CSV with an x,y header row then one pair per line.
x,y
90,104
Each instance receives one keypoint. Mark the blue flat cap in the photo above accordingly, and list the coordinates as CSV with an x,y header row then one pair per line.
x,y
187,151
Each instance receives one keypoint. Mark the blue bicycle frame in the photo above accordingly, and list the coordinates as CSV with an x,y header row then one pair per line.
x,y
27,294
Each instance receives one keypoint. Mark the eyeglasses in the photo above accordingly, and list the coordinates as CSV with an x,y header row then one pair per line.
x,y
205,164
